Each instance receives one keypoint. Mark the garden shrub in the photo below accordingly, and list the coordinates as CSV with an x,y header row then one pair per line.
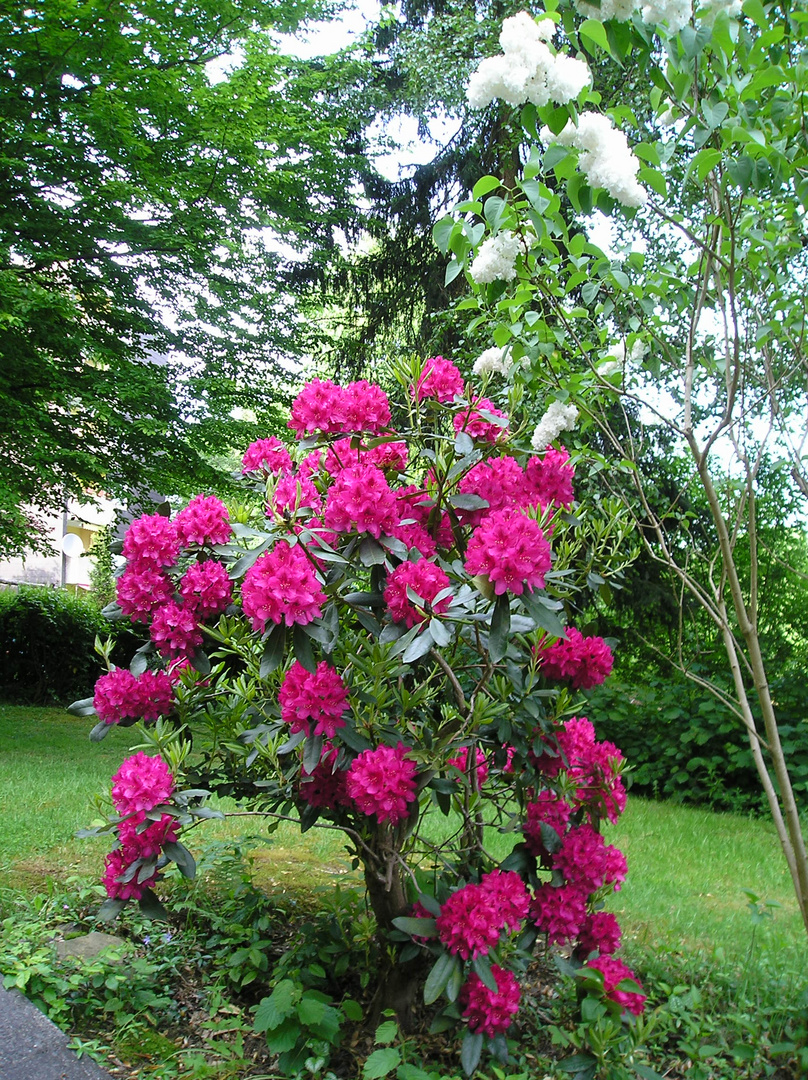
x,y
686,746
46,644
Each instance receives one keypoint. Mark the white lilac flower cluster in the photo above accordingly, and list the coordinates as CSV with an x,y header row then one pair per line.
x,y
496,259
618,354
676,13
605,156
527,70
492,360
710,10
558,417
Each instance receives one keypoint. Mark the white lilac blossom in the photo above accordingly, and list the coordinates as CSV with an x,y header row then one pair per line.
x,y
527,70
492,360
676,13
558,417
618,354
605,156
496,259
711,9
621,10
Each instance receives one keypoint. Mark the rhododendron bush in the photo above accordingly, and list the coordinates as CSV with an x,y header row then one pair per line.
x,y
384,640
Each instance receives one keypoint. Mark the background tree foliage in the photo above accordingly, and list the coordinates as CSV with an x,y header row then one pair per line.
x,y
137,191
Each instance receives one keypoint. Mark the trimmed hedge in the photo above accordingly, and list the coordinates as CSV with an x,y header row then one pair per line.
x,y
46,645
684,745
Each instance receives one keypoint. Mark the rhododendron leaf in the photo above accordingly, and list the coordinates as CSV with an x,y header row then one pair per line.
x,y
352,739
468,502
439,976
181,856
419,927
151,907
312,752
550,838
83,707
470,1051
140,661
519,860
455,984
441,634
110,909
463,444
112,612
391,632
419,647
500,626
206,812
200,662
371,552
99,731
499,1047
404,639
482,968
394,545
272,656
370,624
540,608
301,643
242,565
583,1065
292,742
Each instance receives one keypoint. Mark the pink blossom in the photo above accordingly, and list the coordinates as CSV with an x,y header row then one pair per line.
x,y
311,464
320,696
559,912
500,481
614,971
510,896
477,426
281,586
139,842
365,407
318,407
487,1011
548,809
439,379
204,520
141,783
155,695
293,492
470,921
141,590
592,766
326,785
115,866
416,538
175,631
601,932
426,580
461,760
267,455
151,542
549,479
585,860
360,499
206,589
382,783
584,661
510,549
116,696
349,452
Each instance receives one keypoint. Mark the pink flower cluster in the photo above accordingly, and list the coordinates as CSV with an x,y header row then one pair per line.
x,y
461,762
382,783
600,932
323,406
591,765
549,479
583,661
175,631
614,972
439,379
500,481
361,499
120,695
559,912
509,548
140,591
319,696
387,455
478,426
487,1011
326,785
141,784
151,542
587,862
294,491
204,520
546,809
266,455
206,589
281,586
473,917
425,579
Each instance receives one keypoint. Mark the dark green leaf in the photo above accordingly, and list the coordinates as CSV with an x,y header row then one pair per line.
x,y
500,628
471,1051
180,855
110,909
151,907
272,656
301,643
438,977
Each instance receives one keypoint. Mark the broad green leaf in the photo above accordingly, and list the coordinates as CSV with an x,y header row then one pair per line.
x,y
381,1063
485,185
595,31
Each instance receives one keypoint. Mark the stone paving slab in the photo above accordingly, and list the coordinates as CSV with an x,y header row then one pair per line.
x,y
33,1048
